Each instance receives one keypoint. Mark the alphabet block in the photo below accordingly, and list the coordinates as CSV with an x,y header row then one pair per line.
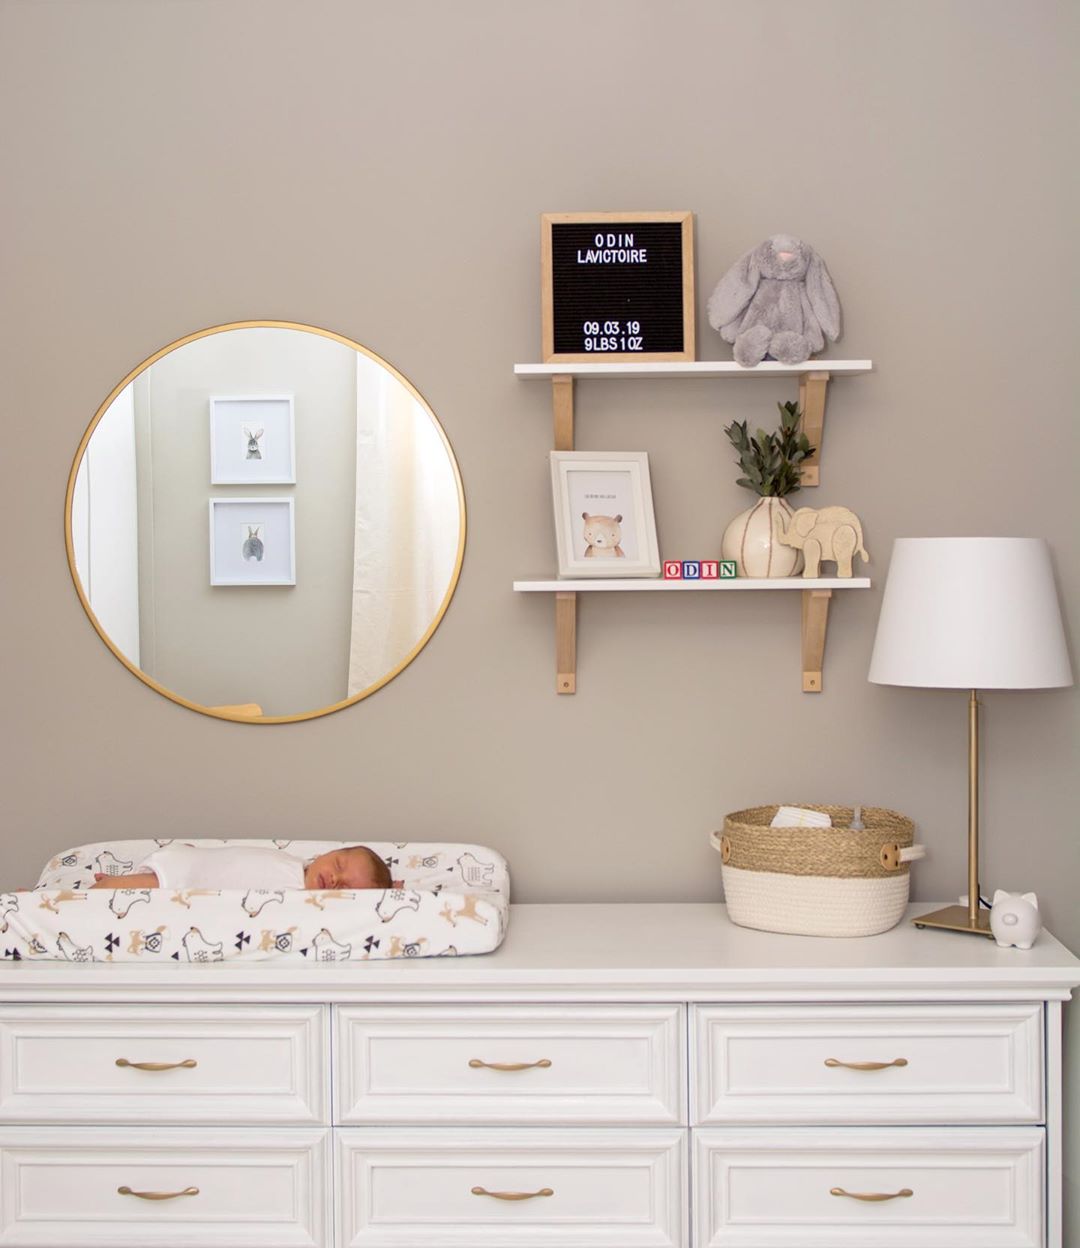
x,y
727,569
672,570
710,570
691,569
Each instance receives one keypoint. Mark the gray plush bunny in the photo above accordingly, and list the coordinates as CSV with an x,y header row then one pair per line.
x,y
778,300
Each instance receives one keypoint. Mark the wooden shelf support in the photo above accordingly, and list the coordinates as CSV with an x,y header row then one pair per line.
x,y
562,401
812,389
815,620
566,643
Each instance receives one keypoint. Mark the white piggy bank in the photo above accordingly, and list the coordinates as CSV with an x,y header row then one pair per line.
x,y
1014,919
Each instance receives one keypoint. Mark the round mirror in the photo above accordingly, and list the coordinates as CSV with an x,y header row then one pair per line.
x,y
265,522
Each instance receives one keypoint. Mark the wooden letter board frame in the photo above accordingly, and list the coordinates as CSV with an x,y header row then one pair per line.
x,y
605,221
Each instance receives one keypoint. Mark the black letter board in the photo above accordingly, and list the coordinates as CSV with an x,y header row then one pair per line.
x,y
617,286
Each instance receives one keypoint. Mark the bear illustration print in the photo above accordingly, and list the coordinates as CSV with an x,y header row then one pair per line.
x,y
602,537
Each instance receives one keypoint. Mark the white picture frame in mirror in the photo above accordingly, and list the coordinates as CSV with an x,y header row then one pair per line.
x,y
604,520
252,541
252,440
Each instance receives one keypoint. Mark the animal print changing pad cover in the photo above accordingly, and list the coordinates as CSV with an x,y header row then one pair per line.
x,y
454,899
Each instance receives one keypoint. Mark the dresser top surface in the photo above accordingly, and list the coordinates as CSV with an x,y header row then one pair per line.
x,y
603,952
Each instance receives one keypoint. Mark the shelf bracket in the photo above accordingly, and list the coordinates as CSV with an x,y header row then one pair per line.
x,y
815,621
566,643
812,388
562,401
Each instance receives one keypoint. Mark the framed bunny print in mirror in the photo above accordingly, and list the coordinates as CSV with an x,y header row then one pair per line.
x,y
252,441
265,522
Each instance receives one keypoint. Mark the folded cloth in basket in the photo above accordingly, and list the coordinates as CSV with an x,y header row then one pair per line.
x,y
454,899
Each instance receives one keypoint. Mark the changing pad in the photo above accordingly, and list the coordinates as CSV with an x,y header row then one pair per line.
x,y
454,899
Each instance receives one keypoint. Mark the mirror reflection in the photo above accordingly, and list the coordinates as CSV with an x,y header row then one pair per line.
x,y
265,521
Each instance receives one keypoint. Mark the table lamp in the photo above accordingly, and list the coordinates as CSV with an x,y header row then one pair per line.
x,y
970,613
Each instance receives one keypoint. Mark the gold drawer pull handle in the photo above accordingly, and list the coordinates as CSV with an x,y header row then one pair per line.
x,y
189,1064
542,1064
832,1061
482,1191
839,1191
188,1191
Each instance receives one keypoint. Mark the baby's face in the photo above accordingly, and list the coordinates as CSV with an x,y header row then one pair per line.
x,y
341,868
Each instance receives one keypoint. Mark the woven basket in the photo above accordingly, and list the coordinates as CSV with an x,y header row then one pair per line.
x,y
817,881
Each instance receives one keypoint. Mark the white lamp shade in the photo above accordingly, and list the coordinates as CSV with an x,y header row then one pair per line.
x,y
970,613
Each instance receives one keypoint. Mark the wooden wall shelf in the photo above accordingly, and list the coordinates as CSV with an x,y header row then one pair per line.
x,y
816,596
697,368
813,376
655,584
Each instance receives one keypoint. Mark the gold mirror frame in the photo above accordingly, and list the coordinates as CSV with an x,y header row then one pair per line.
x,y
236,715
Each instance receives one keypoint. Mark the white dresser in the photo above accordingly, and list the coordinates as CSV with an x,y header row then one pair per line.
x,y
615,1076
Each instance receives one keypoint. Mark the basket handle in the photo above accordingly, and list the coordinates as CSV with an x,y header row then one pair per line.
x,y
893,856
722,843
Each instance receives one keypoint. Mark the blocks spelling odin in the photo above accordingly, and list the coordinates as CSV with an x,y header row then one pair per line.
x,y
699,569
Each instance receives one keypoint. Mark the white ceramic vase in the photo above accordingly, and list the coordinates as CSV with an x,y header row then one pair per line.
x,y
751,541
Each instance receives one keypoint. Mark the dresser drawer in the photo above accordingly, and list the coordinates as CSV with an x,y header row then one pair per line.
x,y
868,1064
171,1064
574,1188
944,1187
510,1064
66,1187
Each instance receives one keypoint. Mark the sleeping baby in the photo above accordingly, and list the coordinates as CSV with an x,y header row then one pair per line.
x,y
252,866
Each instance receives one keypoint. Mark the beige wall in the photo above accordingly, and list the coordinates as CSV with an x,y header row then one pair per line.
x,y
379,169
285,647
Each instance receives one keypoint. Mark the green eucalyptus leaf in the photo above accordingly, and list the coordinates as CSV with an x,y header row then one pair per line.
x,y
769,461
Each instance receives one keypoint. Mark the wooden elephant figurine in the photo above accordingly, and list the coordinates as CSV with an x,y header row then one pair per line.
x,y
832,533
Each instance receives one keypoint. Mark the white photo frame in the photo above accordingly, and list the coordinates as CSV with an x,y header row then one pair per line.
x,y
603,502
252,541
252,440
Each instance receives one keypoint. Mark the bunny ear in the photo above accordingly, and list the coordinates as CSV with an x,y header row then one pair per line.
x,y
822,295
734,290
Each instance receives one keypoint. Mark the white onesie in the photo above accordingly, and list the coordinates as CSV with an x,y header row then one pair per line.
x,y
226,866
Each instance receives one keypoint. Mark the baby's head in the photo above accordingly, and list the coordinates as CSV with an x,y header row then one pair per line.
x,y
354,866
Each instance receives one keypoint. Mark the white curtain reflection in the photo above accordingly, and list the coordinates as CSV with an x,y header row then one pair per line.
x,y
104,526
407,522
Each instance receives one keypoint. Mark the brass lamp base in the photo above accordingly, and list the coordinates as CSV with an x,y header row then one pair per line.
x,y
957,919
960,918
